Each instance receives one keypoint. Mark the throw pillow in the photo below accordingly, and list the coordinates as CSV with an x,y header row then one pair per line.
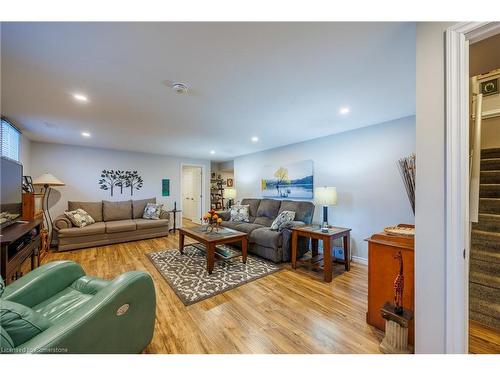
x,y
21,322
240,212
152,211
282,219
79,217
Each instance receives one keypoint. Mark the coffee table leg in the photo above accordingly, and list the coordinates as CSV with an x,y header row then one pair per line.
x,y
181,242
294,249
210,257
347,251
244,249
327,258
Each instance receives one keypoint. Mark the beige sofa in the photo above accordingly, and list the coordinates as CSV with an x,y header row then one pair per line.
x,y
115,222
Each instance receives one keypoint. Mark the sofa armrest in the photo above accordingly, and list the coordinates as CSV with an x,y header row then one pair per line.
x,y
224,215
62,222
118,319
293,224
43,282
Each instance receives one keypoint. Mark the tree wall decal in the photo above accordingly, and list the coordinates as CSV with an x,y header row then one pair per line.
x,y
119,178
134,181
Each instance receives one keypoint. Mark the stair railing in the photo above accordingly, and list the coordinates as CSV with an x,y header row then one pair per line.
x,y
475,159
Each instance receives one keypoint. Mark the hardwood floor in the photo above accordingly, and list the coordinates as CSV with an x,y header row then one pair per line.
x,y
482,339
286,312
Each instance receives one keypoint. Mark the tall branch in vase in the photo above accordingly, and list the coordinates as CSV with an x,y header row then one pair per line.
x,y
407,170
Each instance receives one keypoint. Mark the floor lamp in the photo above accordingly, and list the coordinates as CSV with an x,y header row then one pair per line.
x,y
47,180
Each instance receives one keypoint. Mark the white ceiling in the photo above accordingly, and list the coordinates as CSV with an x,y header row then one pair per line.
x,y
282,82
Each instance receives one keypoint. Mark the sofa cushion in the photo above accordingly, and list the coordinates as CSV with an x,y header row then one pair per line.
x,y
79,218
96,228
94,209
120,226
112,211
230,224
253,206
139,205
304,211
266,237
21,322
247,227
268,208
265,221
147,223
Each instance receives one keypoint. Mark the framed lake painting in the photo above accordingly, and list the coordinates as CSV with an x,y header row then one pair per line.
x,y
293,180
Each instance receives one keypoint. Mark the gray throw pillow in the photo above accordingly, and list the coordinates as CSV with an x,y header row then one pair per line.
x,y
282,219
79,218
240,213
152,211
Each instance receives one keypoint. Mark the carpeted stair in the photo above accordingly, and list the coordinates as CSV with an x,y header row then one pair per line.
x,y
484,289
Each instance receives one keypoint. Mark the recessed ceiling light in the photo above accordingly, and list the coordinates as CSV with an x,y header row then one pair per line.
x,y
344,110
255,139
80,98
180,88
86,134
212,152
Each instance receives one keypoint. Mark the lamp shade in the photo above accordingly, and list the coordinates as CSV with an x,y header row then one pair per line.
x,y
325,196
230,193
48,179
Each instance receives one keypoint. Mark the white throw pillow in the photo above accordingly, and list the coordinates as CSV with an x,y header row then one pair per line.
x,y
152,211
79,218
240,213
282,219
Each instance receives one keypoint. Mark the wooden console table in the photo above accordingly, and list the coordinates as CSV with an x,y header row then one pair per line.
x,y
382,270
315,233
19,242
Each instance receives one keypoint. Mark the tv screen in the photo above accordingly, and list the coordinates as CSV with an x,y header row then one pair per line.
x,y
11,199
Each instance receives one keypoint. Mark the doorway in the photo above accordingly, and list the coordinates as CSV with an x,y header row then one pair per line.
x,y
465,173
192,193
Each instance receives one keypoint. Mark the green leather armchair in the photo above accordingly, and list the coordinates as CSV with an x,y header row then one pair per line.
x,y
74,313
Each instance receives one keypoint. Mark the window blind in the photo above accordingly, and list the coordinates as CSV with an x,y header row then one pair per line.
x,y
10,139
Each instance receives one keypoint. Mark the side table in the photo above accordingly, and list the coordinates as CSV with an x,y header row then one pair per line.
x,y
315,234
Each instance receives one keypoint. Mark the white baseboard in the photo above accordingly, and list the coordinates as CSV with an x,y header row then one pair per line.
x,y
359,260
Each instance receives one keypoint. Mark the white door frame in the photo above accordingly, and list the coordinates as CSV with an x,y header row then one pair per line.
x,y
457,227
203,188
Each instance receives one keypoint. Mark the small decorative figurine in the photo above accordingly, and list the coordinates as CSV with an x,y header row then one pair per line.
x,y
399,284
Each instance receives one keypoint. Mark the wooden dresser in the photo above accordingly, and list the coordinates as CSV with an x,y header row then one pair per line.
x,y
382,270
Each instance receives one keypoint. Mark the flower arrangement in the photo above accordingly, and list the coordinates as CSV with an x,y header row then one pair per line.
x,y
212,221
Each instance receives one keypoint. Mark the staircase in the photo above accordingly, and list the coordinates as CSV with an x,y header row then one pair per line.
x,y
484,286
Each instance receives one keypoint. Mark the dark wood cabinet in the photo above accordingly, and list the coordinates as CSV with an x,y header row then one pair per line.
x,y
19,242
382,270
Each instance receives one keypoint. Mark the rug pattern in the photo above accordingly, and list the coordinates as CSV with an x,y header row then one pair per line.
x,y
187,273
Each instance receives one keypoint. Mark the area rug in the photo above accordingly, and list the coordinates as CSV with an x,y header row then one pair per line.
x,y
187,273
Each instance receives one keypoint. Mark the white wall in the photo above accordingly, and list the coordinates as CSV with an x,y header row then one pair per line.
x,y
25,155
80,167
430,190
360,163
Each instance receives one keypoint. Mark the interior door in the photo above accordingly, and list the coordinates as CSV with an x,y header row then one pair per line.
x,y
187,187
196,194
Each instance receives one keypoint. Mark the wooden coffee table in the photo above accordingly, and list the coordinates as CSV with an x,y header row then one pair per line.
x,y
212,239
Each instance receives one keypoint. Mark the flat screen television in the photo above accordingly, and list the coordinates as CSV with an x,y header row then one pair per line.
x,y
11,192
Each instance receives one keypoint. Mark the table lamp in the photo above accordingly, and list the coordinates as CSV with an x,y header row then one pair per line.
x,y
230,195
325,196
47,180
